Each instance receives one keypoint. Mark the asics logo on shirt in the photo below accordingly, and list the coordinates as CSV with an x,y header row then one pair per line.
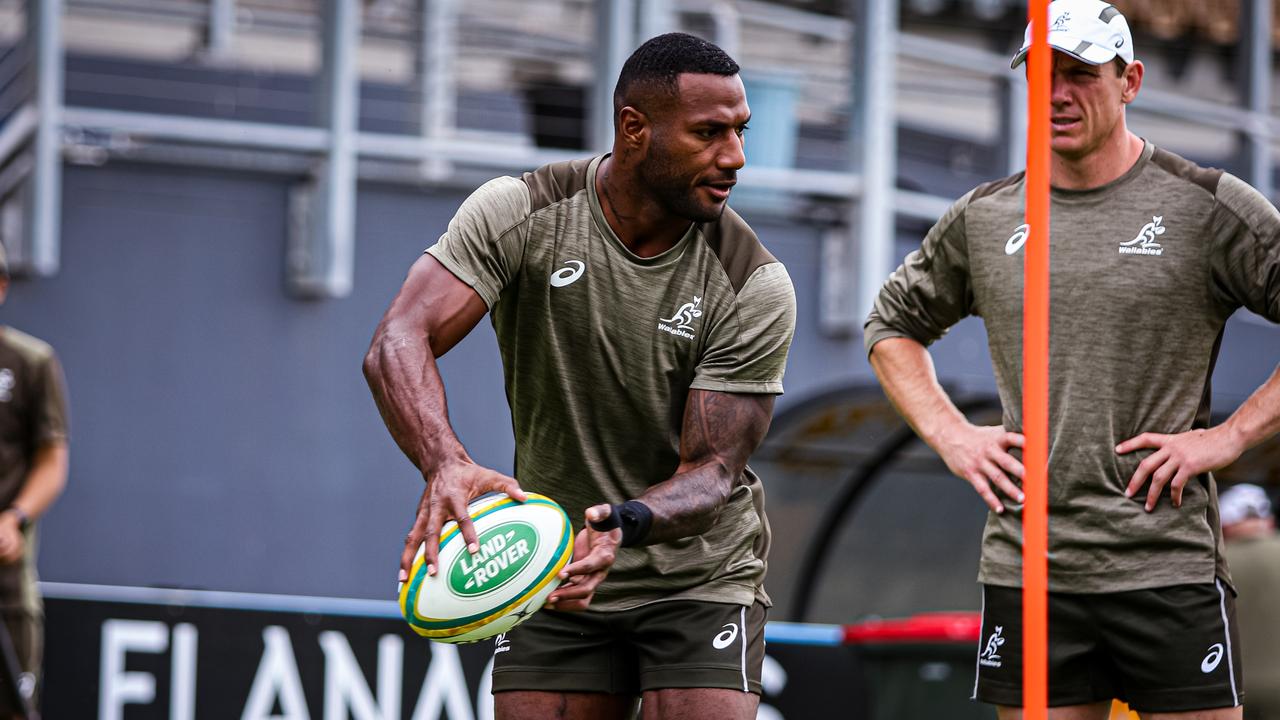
x,y
1017,239
726,637
1145,243
1210,662
567,275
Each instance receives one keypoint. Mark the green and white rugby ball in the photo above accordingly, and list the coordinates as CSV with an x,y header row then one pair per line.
x,y
523,547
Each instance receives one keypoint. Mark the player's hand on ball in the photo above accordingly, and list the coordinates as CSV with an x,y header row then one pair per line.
x,y
1177,459
445,498
593,554
980,454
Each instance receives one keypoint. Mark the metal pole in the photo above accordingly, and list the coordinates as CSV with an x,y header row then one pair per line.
x,y
1013,121
322,244
656,17
728,25
220,34
45,198
1257,30
437,72
877,150
615,33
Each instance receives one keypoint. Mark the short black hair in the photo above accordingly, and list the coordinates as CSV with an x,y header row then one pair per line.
x,y
660,61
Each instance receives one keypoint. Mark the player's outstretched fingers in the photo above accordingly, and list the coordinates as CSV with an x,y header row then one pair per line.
x,y
460,513
1144,471
1179,482
1159,479
1013,439
983,488
412,541
513,490
1011,466
999,481
1138,442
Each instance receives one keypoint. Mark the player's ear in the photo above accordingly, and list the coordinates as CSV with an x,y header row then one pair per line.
x,y
1132,78
634,127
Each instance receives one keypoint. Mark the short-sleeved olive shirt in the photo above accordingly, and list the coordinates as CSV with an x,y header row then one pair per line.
x,y
33,413
600,348
1145,272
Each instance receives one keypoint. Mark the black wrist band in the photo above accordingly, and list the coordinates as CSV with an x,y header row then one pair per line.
x,y
633,516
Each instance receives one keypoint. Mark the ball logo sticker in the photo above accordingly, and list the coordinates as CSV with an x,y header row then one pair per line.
x,y
504,551
1210,662
566,276
726,637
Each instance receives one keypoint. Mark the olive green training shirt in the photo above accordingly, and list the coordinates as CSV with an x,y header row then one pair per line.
x,y
1145,272
600,348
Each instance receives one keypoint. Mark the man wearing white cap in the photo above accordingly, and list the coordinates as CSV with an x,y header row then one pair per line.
x,y
1150,256
1253,549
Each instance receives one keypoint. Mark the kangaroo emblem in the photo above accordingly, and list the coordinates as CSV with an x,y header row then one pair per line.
x,y
1147,235
685,315
993,644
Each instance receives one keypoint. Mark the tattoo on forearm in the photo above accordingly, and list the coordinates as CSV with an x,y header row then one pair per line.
x,y
720,432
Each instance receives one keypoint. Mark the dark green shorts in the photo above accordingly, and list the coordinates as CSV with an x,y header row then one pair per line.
x,y
1169,649
675,644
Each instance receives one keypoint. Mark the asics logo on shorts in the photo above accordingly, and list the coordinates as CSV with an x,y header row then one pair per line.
x,y
726,637
1017,239
1210,662
567,276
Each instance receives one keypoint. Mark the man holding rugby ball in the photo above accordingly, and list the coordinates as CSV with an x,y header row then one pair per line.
x,y
643,330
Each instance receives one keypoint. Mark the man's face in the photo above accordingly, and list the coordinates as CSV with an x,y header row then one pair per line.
x,y
696,146
1088,104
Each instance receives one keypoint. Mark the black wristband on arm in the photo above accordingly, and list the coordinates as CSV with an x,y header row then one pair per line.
x,y
633,516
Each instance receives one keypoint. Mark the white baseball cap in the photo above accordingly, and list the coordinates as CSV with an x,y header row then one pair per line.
x,y
1242,502
1091,31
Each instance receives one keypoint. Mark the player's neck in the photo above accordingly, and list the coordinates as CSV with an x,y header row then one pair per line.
x,y
1104,164
643,225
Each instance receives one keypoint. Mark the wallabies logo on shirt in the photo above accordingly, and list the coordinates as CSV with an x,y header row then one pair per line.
x,y
683,319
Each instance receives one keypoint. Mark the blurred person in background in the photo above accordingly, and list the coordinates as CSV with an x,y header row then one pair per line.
x,y
644,330
33,472
1253,551
1151,254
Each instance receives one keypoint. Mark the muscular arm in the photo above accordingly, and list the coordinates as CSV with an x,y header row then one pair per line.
x,y
979,455
720,432
430,314
1178,458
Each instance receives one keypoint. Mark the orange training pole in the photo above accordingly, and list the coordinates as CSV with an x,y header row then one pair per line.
x,y
1035,369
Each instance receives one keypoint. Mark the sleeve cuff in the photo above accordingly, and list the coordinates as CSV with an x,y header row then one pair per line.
x,y
460,271
753,387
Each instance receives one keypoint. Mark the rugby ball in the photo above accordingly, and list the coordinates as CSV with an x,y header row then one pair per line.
x,y
523,547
